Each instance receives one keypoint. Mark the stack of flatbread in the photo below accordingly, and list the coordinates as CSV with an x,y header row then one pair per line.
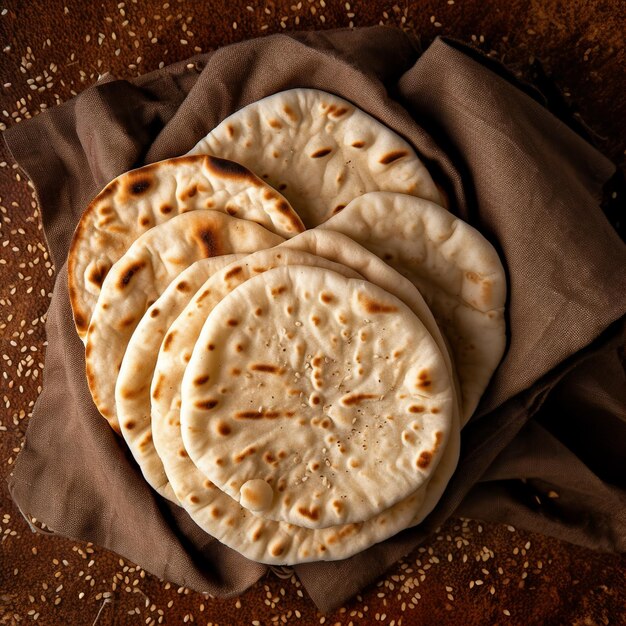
x,y
287,328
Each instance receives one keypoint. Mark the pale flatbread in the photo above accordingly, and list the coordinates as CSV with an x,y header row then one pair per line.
x,y
132,390
140,199
455,268
141,275
259,539
327,405
319,151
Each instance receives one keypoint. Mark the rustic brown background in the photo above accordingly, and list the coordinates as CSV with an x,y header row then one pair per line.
x,y
469,573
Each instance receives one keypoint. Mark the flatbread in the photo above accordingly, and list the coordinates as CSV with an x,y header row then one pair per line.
x,y
132,390
140,199
326,406
319,151
142,274
255,537
456,269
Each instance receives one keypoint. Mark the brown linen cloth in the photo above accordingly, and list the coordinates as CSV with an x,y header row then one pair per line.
x,y
529,183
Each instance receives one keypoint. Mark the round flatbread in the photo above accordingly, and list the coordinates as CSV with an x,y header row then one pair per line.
x,y
254,536
142,274
140,199
132,389
456,269
319,150
327,405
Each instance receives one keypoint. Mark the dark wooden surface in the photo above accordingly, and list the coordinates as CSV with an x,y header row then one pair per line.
x,y
469,573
